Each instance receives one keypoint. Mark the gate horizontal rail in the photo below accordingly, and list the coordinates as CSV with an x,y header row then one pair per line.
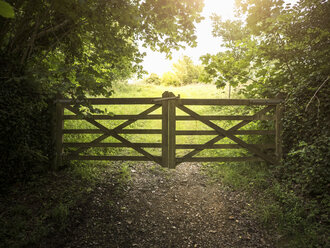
x,y
178,118
159,145
123,101
168,104
177,132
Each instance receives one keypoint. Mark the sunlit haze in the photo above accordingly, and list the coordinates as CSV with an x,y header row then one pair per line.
x,y
157,63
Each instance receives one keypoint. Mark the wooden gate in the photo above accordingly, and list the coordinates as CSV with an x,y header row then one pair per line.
x,y
169,103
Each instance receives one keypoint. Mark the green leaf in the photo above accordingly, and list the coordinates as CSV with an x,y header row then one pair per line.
x,y
6,10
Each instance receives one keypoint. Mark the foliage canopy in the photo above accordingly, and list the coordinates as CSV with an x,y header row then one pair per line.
x,y
285,49
74,48
6,10
276,49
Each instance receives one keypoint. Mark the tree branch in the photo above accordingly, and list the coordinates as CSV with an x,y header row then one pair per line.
x,y
29,48
52,29
316,93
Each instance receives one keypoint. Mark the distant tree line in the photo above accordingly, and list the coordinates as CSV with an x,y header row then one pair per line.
x,y
184,72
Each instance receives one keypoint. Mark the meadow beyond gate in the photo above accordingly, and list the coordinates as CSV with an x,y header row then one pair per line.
x,y
169,103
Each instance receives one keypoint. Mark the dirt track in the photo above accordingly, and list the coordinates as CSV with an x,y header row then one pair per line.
x,y
164,208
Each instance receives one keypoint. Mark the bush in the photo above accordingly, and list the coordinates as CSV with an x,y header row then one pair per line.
x,y
25,131
184,72
153,79
170,79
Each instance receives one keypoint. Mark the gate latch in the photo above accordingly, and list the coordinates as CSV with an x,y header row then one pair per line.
x,y
167,98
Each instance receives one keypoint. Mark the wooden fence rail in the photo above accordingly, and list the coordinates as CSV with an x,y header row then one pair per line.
x,y
169,103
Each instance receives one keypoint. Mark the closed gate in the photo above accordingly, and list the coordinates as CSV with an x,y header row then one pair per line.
x,y
169,103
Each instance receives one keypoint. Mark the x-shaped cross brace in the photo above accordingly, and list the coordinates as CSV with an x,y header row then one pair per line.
x,y
224,133
114,133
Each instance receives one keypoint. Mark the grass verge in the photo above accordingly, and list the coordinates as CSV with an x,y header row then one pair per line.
x,y
286,215
35,212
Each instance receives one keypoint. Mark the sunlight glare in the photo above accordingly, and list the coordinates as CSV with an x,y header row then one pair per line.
x,y
157,63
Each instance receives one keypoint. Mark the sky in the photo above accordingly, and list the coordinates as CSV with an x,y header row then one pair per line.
x,y
157,63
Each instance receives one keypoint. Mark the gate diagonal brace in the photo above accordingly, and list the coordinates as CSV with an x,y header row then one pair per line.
x,y
220,137
226,133
108,132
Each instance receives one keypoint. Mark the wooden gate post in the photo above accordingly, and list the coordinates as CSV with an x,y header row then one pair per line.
x,y
165,130
168,130
59,134
171,132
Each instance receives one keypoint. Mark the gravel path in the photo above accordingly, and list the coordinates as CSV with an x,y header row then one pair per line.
x,y
163,208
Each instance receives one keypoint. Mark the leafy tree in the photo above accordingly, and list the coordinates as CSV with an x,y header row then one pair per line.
x,y
277,48
153,79
74,48
6,10
170,79
79,46
280,48
186,71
